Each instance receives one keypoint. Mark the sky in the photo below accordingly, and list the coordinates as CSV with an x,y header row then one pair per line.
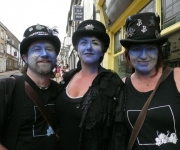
x,y
18,15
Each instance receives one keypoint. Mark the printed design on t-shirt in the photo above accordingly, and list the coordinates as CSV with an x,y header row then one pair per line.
x,y
46,130
163,139
158,130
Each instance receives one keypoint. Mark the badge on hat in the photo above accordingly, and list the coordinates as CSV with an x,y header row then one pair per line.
x,y
89,27
39,27
30,29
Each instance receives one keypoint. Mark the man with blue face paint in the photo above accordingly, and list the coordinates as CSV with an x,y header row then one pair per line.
x,y
143,50
89,107
22,126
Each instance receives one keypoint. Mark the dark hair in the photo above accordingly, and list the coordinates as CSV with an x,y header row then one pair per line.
x,y
159,61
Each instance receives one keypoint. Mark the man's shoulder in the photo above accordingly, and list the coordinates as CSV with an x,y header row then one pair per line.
x,y
7,83
7,80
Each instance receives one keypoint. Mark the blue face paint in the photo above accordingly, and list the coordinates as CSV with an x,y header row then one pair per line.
x,y
144,57
41,57
89,50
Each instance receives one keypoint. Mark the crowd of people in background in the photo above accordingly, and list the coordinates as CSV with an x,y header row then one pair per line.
x,y
59,71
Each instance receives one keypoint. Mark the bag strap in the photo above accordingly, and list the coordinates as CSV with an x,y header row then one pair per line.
x,y
142,115
37,100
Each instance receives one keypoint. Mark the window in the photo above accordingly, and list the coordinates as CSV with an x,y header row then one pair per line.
x,y
170,12
12,42
117,45
1,48
16,65
2,34
8,62
151,7
8,49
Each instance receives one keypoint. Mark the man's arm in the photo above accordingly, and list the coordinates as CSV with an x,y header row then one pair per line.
x,y
6,89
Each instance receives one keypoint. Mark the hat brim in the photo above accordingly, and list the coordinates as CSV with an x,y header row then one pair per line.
x,y
128,42
26,42
104,37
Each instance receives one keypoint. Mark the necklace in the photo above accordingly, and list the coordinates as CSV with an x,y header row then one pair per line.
x,y
151,77
43,88
147,83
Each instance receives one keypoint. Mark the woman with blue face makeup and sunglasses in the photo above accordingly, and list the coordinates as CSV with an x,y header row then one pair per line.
x,y
161,127
89,107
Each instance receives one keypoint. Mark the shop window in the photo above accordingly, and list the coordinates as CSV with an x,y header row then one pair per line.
x,y
117,45
16,65
151,7
124,69
170,12
171,50
8,62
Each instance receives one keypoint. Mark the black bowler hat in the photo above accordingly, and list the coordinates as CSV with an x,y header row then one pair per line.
x,y
39,32
143,28
91,28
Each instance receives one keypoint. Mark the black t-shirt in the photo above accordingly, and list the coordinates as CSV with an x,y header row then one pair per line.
x,y
161,128
69,115
34,132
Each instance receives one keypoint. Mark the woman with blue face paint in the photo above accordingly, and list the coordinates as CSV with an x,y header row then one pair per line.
x,y
161,128
89,107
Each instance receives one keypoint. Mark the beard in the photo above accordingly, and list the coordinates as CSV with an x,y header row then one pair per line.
x,y
41,69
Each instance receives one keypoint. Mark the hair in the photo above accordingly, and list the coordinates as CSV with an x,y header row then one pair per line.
x,y
23,70
67,66
159,61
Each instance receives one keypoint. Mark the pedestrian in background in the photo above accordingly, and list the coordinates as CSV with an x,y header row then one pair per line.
x,y
58,73
67,68
22,126
143,50
89,107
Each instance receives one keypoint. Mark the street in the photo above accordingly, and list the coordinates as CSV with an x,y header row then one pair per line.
x,y
8,73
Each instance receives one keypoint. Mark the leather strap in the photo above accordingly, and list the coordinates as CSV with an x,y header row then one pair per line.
x,y
44,111
142,115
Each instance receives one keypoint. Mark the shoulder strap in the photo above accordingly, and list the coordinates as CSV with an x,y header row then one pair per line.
x,y
37,100
142,115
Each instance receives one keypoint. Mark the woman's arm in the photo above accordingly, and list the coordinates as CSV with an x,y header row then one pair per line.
x,y
177,77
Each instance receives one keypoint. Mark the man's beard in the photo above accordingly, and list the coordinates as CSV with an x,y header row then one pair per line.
x,y
41,69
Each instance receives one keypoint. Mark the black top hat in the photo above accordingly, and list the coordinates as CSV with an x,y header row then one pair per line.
x,y
143,28
39,32
91,28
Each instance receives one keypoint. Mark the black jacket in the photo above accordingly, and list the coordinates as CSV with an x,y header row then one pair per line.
x,y
102,123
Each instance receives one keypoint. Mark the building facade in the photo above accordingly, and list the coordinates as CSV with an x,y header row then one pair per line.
x,y
9,50
12,51
79,10
114,13
3,56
